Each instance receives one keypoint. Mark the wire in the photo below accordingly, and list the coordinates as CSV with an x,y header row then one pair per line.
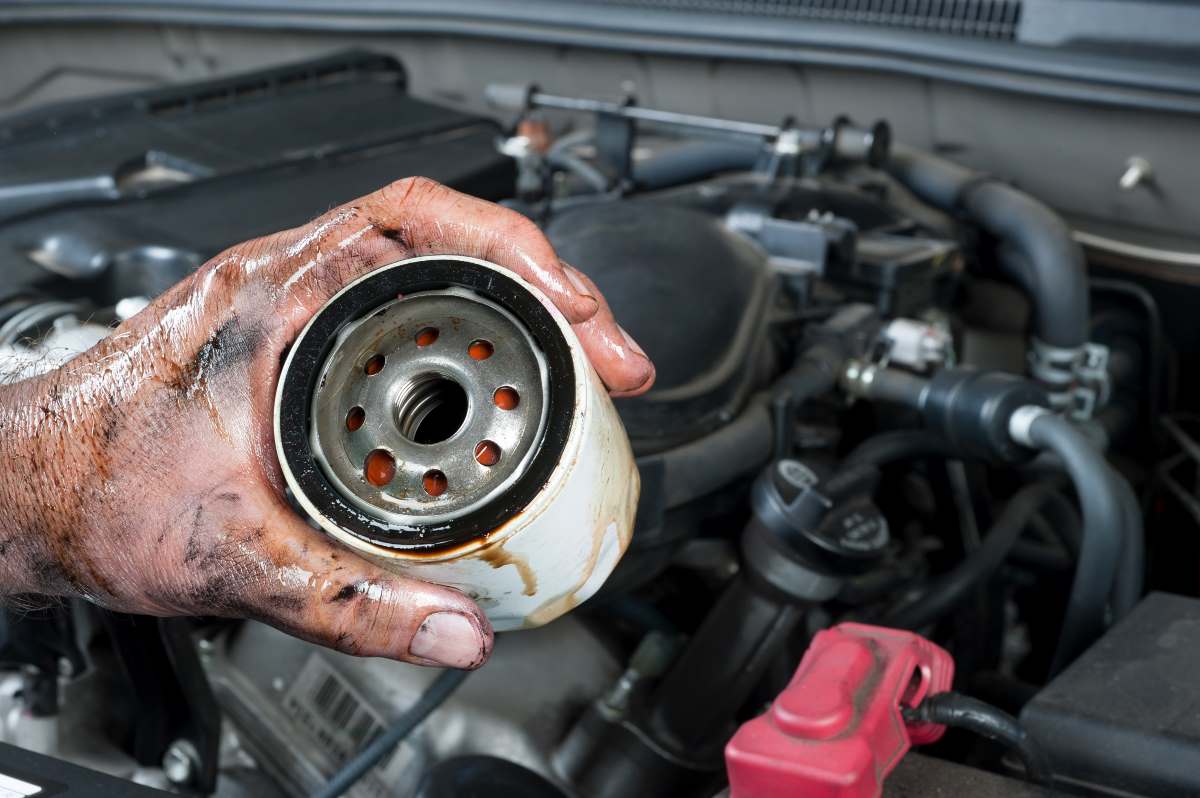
x,y
963,712
437,693
953,586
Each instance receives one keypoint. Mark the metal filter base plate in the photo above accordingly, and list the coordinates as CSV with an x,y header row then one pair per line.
x,y
441,393
425,405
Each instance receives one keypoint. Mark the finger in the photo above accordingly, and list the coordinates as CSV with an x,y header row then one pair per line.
x,y
417,216
321,592
434,219
617,358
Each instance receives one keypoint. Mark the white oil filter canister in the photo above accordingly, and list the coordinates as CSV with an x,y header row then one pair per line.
x,y
439,417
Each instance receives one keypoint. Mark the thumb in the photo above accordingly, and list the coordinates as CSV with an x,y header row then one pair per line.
x,y
328,595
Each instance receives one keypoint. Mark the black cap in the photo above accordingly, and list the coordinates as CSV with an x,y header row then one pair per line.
x,y
831,526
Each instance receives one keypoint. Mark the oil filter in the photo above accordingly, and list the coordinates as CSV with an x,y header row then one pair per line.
x,y
439,417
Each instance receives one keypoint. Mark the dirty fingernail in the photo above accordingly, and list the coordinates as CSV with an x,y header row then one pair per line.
x,y
450,639
580,286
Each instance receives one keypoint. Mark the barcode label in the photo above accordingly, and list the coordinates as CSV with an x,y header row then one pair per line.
x,y
340,720
15,788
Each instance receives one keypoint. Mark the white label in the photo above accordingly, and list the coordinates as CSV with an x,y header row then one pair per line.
x,y
340,721
15,788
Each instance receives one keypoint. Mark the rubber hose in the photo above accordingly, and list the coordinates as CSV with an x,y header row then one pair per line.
x,y
952,587
580,168
815,373
701,466
745,444
694,162
1131,574
433,697
963,712
1064,523
889,447
1038,249
1104,516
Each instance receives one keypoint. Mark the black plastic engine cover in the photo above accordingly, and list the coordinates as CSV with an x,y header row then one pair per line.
x,y
139,189
1123,719
693,294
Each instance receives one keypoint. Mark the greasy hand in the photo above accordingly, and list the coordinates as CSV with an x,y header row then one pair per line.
x,y
142,475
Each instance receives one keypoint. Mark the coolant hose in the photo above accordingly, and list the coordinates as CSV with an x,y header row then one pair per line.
x,y
1038,250
1105,515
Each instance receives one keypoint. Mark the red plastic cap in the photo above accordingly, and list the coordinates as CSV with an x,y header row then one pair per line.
x,y
836,730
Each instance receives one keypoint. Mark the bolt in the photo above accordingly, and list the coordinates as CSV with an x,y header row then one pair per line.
x,y
1137,172
180,762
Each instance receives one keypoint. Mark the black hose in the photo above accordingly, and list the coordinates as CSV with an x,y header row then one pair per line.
x,y
1064,523
702,466
1038,250
815,373
1041,557
889,447
433,697
693,162
952,587
589,174
1131,574
963,712
1104,519
1156,338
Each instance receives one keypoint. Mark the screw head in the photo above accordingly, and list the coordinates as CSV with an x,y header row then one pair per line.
x,y
180,762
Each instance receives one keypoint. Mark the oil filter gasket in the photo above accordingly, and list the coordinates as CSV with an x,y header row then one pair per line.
x,y
439,417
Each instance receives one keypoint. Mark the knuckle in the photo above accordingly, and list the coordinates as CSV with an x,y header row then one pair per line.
x,y
363,620
405,189
522,227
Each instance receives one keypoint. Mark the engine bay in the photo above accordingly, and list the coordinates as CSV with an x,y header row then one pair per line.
x,y
893,393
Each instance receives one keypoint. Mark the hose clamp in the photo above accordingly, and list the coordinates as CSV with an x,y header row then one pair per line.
x,y
1020,422
1076,378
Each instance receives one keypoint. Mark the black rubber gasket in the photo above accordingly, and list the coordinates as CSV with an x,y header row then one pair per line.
x,y
314,345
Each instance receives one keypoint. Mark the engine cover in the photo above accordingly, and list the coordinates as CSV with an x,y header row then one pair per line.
x,y
692,293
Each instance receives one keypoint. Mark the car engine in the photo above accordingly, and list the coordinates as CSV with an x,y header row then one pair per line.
x,y
913,435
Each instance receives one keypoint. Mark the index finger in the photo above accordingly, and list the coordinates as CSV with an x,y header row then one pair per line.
x,y
417,216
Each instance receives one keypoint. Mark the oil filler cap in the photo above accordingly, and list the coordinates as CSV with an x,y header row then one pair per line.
x,y
832,524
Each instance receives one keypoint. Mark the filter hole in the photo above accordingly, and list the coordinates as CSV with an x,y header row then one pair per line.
x,y
426,336
506,398
480,349
380,467
355,418
434,482
431,409
487,453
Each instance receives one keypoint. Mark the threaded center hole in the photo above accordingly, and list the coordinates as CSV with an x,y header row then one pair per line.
x,y
431,409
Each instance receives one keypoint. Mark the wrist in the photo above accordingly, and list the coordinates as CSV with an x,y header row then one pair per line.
x,y
32,523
